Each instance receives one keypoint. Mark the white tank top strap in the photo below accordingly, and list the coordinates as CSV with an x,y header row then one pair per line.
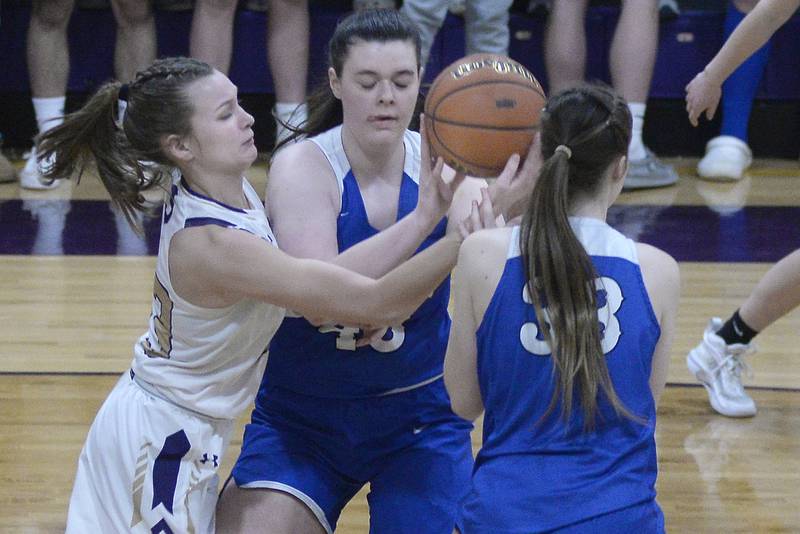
x,y
600,239
330,143
411,163
513,244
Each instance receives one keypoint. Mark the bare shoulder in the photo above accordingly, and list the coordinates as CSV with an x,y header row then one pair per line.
x,y
199,244
661,279
194,262
654,261
482,252
481,261
492,240
300,166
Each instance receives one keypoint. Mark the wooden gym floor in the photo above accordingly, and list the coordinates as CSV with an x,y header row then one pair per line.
x,y
75,294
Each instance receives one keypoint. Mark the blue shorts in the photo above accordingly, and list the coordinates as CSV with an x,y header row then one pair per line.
x,y
412,449
642,518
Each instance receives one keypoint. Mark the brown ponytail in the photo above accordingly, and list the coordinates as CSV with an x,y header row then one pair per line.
x,y
128,160
584,130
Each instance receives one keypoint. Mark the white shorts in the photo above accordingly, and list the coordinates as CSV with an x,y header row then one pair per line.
x,y
147,466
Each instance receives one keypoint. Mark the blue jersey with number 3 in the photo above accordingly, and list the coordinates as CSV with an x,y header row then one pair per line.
x,y
324,361
535,472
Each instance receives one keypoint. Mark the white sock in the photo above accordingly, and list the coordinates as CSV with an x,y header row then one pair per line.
x,y
293,114
636,148
49,112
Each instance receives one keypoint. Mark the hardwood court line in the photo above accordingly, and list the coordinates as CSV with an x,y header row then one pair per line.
x,y
60,373
769,182
108,373
786,389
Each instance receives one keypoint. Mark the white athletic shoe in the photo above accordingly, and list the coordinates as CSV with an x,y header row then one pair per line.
x,y
30,177
726,159
719,367
649,172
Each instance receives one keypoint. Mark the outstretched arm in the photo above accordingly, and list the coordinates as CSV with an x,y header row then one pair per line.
x,y
705,90
213,266
303,205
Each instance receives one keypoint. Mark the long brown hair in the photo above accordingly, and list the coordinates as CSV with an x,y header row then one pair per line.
x,y
369,25
594,124
124,155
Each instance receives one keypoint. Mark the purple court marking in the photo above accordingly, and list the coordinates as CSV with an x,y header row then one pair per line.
x,y
689,233
698,233
55,227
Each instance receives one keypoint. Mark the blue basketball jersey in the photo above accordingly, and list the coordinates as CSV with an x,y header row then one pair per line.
x,y
324,361
536,472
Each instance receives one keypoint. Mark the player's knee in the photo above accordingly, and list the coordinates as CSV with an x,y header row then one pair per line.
x,y
650,6
52,14
219,5
131,13
745,6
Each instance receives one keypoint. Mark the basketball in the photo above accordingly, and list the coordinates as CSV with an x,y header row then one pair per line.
x,y
480,110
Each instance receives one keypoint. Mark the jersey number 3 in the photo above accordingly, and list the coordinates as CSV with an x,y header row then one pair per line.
x,y
162,322
609,300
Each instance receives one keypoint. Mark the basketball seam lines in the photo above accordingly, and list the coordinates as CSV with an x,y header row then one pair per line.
x,y
432,115
432,130
486,82
485,127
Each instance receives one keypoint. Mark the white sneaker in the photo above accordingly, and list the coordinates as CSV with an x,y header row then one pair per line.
x,y
649,172
719,367
726,159
30,177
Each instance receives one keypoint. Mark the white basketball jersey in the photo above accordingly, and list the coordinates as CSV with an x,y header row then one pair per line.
x,y
209,360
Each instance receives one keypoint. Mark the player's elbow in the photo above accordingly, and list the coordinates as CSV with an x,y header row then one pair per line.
x,y
385,307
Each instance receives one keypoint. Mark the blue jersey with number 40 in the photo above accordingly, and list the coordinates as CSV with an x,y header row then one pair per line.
x,y
324,361
536,472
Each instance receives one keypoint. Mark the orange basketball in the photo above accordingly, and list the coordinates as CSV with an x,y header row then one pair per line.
x,y
480,110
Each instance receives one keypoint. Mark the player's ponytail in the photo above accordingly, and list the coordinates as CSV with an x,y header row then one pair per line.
x,y
584,131
127,155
